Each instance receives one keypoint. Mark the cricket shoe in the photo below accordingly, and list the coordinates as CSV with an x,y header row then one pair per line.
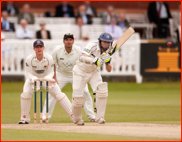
x,y
101,121
43,120
80,123
23,122
92,120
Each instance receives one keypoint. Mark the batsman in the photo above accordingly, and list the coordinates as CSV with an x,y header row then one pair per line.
x,y
40,65
86,71
65,57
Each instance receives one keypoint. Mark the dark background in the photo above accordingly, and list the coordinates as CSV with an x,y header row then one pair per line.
x,y
149,58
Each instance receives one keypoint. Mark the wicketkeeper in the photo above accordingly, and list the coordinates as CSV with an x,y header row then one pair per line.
x,y
86,71
40,65
65,57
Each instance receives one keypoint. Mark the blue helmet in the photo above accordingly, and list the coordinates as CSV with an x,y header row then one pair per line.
x,y
105,37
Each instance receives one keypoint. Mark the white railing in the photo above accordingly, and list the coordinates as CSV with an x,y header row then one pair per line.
x,y
136,17
126,62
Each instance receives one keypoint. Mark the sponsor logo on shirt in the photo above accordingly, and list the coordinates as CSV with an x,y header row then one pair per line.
x,y
34,66
52,65
27,65
39,71
61,58
86,50
68,64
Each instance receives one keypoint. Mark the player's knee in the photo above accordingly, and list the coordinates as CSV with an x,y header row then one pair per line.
x,y
102,90
60,96
86,92
26,95
78,101
77,91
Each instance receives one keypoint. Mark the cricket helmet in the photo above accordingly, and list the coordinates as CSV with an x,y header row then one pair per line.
x,y
105,37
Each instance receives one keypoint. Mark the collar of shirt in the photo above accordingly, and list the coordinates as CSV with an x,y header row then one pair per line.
x,y
72,51
122,24
43,59
24,29
5,21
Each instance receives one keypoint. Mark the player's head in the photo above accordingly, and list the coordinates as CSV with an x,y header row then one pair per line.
x,y
68,40
105,41
38,46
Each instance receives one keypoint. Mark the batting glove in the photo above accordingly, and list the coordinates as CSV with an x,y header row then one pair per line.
x,y
107,58
98,61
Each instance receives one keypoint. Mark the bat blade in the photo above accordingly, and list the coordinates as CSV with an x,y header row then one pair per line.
x,y
127,34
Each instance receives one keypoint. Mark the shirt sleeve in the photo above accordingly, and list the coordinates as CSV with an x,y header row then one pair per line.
x,y
54,55
29,69
87,48
50,70
79,50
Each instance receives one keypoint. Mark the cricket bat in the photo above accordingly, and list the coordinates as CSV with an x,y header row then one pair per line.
x,y
127,34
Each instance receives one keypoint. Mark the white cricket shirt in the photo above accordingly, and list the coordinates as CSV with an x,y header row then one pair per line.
x,y
65,61
92,49
40,69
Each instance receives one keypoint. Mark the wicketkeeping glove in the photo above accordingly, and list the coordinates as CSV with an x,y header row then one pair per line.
x,y
106,58
32,80
98,61
51,83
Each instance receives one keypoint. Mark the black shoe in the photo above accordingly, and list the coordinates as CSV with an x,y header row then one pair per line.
x,y
23,122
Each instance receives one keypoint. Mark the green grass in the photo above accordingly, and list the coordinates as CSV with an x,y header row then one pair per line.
x,y
33,135
127,102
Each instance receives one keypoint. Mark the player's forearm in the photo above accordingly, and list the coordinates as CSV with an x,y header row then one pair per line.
x,y
109,67
50,70
28,69
86,59
49,76
31,76
54,72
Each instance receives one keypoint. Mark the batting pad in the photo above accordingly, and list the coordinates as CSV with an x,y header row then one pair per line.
x,y
101,100
66,105
25,106
88,106
77,105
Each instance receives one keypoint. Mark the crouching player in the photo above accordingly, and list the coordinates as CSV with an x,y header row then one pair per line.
x,y
40,65
86,71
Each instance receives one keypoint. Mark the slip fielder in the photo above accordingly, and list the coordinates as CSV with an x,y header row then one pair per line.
x,y
86,71
40,65
65,57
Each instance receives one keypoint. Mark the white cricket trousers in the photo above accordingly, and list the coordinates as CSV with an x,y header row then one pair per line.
x,y
81,78
62,81
55,92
